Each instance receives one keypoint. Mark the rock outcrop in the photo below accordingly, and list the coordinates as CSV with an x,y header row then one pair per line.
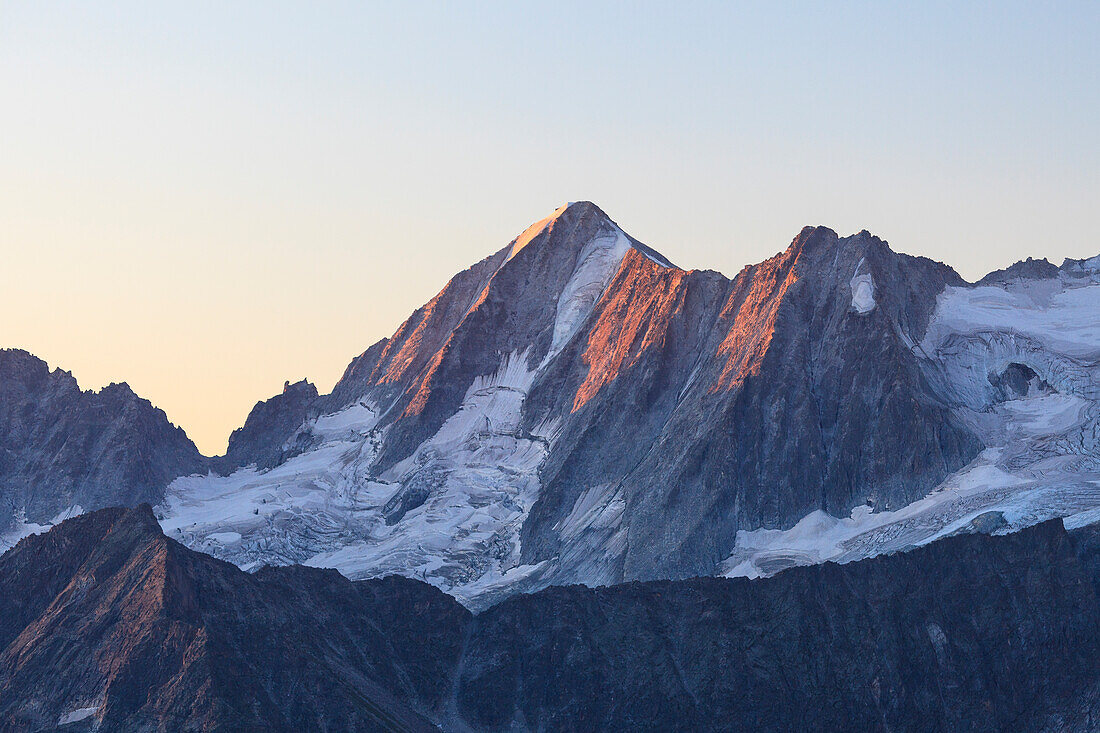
x,y
1029,269
267,437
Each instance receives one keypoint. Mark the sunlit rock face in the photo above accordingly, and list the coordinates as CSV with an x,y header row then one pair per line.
x,y
749,403
64,450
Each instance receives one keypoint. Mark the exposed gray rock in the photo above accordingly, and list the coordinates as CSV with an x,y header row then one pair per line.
x,y
1029,269
1081,268
62,447
266,438
744,404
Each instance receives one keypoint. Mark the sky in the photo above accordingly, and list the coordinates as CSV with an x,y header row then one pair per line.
x,y
204,199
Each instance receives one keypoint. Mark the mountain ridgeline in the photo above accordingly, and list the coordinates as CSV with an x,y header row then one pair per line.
x,y
61,447
509,515
971,633
670,408
577,409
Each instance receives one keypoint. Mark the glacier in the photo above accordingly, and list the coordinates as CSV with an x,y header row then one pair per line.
x,y
449,514
1042,459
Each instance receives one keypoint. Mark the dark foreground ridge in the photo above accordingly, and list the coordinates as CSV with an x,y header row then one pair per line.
x,y
107,624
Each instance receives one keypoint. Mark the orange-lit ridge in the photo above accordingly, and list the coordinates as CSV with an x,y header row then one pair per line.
x,y
635,314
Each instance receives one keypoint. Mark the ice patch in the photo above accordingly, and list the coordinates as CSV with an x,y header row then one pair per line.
x,y
1082,519
1060,317
863,291
77,715
353,421
599,507
596,264
819,536
593,536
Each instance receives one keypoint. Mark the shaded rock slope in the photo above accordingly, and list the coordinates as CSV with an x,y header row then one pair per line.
x,y
107,624
261,441
61,447
153,636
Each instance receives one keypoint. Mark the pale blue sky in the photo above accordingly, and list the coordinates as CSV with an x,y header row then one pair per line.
x,y
205,199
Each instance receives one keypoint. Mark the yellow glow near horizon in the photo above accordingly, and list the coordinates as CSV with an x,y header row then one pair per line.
x,y
205,200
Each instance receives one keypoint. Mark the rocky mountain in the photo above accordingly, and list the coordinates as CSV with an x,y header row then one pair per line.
x,y
63,450
260,441
970,633
575,408
152,636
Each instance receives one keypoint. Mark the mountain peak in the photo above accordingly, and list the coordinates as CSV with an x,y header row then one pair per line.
x,y
573,212
587,220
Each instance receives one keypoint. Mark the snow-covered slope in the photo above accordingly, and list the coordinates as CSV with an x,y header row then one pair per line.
x,y
450,513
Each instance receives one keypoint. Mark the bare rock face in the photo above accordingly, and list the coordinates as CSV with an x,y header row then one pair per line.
x,y
61,447
1029,269
106,624
725,405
